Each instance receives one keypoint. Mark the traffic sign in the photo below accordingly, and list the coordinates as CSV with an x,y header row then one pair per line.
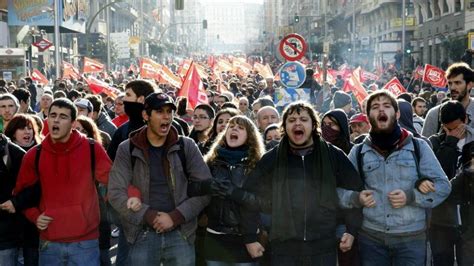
x,y
292,47
43,44
292,74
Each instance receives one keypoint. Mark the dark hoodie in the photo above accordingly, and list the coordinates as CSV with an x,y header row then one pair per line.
x,y
135,121
343,140
406,119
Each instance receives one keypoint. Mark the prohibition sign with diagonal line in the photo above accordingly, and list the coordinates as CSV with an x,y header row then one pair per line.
x,y
292,47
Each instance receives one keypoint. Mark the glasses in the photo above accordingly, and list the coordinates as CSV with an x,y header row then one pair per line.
x,y
201,117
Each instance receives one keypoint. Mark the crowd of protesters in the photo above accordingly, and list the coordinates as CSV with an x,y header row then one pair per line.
x,y
239,180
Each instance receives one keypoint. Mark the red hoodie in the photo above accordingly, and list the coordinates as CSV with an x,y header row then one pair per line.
x,y
68,193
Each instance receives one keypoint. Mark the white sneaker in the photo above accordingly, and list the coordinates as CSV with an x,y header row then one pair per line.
x,y
115,233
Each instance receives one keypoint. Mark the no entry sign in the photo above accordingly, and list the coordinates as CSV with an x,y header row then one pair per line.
x,y
292,47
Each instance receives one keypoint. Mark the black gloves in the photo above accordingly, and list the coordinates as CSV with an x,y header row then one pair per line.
x,y
214,187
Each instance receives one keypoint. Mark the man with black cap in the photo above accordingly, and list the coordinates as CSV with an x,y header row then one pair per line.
x,y
163,230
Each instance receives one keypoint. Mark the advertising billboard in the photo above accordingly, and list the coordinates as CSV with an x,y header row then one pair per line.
x,y
73,14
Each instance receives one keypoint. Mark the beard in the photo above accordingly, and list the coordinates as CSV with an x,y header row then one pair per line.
x,y
461,95
391,120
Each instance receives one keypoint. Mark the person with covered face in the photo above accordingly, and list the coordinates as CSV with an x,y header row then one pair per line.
x,y
335,129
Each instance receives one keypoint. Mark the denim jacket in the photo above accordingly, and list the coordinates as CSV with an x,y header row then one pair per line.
x,y
399,171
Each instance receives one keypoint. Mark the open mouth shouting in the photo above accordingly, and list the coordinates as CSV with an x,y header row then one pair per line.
x,y
164,127
298,134
55,129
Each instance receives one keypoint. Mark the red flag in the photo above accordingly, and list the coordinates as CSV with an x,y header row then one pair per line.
x,y
149,69
356,87
419,72
193,88
184,67
38,76
435,76
98,86
394,86
92,66
70,72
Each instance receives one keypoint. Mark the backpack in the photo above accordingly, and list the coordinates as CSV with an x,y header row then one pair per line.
x,y
92,155
181,155
359,158
416,157
104,206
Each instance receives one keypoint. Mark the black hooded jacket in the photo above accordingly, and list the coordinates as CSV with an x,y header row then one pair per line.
x,y
344,140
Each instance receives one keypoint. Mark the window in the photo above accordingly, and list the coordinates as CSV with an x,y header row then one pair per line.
x,y
457,6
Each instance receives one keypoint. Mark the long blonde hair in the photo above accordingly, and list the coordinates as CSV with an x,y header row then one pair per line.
x,y
254,141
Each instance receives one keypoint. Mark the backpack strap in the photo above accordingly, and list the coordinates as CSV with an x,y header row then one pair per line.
x,y
182,156
416,155
359,158
37,159
92,155
133,159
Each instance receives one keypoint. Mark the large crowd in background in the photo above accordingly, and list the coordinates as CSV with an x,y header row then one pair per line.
x,y
237,180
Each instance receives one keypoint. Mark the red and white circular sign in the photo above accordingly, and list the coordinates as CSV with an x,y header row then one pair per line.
x,y
292,47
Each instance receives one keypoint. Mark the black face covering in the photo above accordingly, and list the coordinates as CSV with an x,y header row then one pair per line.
x,y
133,110
387,141
329,134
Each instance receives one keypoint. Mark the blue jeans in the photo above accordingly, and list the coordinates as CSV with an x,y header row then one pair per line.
x,y
168,248
8,257
76,253
122,248
402,253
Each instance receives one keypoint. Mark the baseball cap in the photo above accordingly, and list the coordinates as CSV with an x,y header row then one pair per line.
x,y
358,118
157,100
84,103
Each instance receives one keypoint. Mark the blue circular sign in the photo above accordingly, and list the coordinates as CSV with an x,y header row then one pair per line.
x,y
292,74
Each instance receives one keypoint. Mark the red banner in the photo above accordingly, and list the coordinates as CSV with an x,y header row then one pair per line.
x,y
168,77
36,75
394,86
149,69
92,66
70,72
434,76
365,76
98,86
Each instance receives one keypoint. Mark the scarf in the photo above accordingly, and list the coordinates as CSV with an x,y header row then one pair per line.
x,y
329,134
232,155
387,141
283,224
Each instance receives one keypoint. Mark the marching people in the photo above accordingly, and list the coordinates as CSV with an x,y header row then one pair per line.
x,y
163,230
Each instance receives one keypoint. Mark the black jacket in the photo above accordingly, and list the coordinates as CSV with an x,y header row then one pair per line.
x,y
224,214
10,224
446,151
316,225
462,192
